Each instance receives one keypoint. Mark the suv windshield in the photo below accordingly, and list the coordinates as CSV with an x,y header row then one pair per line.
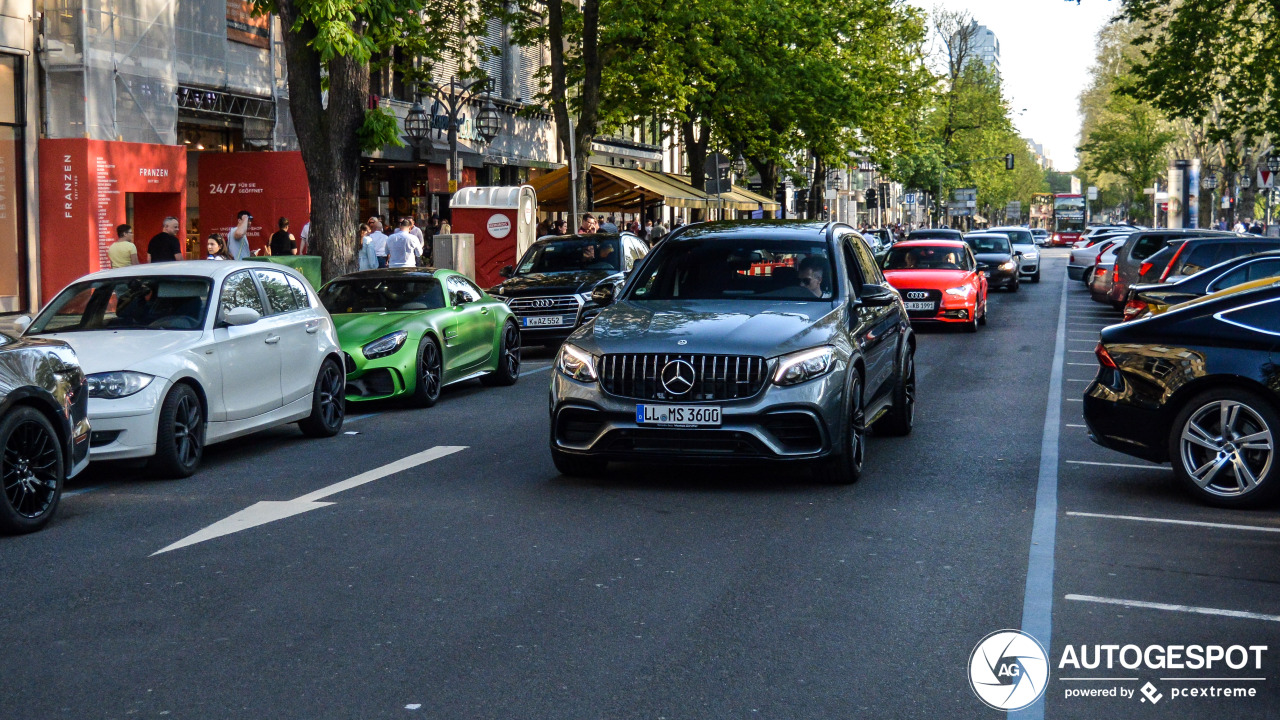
x,y
360,295
573,255
732,268
988,244
927,257
132,303
1018,237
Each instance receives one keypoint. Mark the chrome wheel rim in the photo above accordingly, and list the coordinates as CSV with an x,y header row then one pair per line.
x,y
857,425
511,350
1227,448
429,370
332,402
30,469
187,437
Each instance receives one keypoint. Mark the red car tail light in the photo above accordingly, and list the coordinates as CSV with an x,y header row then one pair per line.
x,y
1104,357
1115,274
1100,272
1133,308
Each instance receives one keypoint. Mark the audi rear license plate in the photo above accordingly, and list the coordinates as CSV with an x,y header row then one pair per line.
x,y
543,320
678,415
919,305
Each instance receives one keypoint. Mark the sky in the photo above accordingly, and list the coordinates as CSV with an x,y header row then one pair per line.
x,y
1046,48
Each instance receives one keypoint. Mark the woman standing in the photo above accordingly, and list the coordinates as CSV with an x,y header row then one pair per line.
x,y
282,241
217,248
365,252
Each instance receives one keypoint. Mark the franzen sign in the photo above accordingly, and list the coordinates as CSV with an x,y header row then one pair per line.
x,y
499,226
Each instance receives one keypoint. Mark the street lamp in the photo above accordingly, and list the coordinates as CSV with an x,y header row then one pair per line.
x,y
489,121
1273,163
417,125
445,114
739,166
1211,181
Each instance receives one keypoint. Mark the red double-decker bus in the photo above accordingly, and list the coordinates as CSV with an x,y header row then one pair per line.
x,y
1068,219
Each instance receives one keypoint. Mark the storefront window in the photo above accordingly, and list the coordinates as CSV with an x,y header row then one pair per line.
x,y
12,184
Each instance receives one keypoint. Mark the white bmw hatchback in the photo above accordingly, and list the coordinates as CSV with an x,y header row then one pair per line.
x,y
181,355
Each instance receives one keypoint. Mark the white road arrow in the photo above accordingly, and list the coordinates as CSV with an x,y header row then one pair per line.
x,y
271,510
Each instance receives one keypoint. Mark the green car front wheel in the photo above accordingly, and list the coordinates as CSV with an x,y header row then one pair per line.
x,y
430,369
508,370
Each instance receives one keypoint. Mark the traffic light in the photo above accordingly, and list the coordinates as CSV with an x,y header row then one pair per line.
x,y
871,197
1008,161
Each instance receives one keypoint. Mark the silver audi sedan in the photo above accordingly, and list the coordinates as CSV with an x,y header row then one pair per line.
x,y
739,341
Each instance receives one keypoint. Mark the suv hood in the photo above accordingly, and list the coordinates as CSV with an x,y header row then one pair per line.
x,y
140,350
560,283
765,328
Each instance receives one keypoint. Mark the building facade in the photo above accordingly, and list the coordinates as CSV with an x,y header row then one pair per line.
x,y
984,46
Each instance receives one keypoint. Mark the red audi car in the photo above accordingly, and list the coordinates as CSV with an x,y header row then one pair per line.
x,y
940,281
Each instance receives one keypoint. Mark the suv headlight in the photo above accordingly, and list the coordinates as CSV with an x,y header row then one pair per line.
x,y
385,345
1008,265
576,363
113,385
585,297
804,366
961,292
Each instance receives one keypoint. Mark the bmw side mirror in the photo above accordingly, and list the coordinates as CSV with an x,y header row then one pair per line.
x,y
603,294
21,323
507,272
877,296
241,316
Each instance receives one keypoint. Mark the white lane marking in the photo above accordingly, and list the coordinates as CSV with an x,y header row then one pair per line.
x,y
1075,380
1075,399
82,491
357,418
535,370
1222,679
1170,521
1084,364
1175,608
271,510
1079,426
1087,352
1122,465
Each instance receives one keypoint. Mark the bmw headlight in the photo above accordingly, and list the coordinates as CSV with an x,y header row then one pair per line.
x,y
385,345
113,385
576,363
1008,265
963,291
804,366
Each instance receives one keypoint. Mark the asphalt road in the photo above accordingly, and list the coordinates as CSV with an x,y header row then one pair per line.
x,y
481,584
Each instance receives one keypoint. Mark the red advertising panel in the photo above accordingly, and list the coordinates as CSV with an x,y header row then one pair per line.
x,y
270,185
83,184
495,239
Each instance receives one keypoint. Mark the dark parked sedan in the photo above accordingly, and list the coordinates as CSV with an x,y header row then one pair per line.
x,y
1199,387
44,430
748,341
549,291
997,259
1154,299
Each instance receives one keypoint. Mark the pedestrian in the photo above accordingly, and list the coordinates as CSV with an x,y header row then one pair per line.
x,y
561,227
378,240
422,241
588,226
658,232
609,226
1239,227
365,255
304,239
1255,228
677,224
282,241
164,245
445,227
216,245
648,230
238,236
402,247
122,252
544,228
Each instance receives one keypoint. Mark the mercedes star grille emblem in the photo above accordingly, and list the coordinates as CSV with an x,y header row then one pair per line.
x,y
917,295
677,377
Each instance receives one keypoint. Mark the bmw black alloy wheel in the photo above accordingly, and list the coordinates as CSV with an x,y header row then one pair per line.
x,y
1227,448
857,426
332,395
188,430
511,349
31,469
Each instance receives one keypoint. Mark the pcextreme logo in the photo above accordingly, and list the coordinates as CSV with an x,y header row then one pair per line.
x,y
1008,670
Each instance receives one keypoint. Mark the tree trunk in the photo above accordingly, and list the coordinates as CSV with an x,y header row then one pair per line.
x,y
328,139
696,149
768,172
579,152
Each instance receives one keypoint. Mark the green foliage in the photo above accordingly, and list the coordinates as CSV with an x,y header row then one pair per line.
x,y
1128,140
380,129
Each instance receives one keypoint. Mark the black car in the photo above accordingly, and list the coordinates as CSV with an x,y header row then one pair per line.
x,y
44,428
743,341
996,258
935,234
549,291
1224,275
1196,254
1198,387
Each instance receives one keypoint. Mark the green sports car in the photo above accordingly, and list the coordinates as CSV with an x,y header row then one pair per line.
x,y
411,331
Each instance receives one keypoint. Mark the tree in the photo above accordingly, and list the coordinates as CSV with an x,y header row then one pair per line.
x,y
1130,142
329,48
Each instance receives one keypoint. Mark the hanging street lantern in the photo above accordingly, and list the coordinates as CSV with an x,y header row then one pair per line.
x,y
739,166
1211,181
416,124
1273,163
489,122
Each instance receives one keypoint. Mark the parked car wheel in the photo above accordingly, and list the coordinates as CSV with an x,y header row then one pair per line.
x,y
31,470
430,373
508,371
328,402
1223,448
901,418
1035,278
180,434
844,467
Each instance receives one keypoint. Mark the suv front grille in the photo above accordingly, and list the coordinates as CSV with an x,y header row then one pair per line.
x,y
554,305
715,377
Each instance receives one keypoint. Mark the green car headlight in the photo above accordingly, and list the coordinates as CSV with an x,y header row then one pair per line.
x,y
576,363
385,345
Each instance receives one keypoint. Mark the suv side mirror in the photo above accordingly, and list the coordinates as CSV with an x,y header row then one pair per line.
x,y
241,316
603,294
877,296
507,272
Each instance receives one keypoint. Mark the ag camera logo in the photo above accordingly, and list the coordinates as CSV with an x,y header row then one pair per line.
x,y
1008,670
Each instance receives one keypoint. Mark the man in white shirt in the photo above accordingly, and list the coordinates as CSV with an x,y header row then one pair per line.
x,y
378,240
403,248
416,231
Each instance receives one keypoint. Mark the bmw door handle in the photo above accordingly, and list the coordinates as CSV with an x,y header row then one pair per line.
x,y
272,339
313,328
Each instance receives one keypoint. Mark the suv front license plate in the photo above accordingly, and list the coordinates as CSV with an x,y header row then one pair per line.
x,y
543,321
919,305
678,415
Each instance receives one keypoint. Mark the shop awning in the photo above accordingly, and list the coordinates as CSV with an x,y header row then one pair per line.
x,y
621,190
740,198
